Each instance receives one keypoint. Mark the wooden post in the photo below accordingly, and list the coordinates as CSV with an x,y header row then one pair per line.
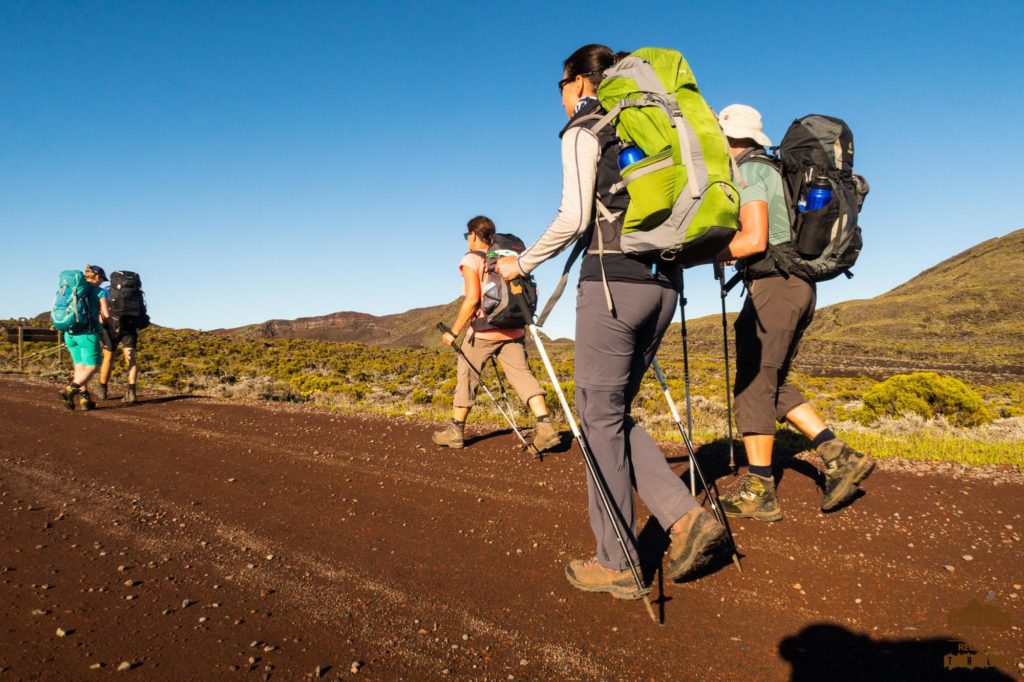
x,y
21,348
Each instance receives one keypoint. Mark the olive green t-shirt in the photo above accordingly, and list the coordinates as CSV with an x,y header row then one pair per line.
x,y
765,184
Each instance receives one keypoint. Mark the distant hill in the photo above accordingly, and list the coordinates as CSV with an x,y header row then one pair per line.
x,y
964,316
414,327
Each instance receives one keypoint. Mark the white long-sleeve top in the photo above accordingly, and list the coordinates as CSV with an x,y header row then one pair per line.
x,y
580,155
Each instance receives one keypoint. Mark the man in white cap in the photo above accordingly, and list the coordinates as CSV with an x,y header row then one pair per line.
x,y
775,314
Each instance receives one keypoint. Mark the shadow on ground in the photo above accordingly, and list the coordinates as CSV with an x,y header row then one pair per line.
x,y
116,404
713,458
825,651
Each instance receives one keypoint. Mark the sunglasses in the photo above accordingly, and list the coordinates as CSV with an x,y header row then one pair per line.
x,y
465,235
565,81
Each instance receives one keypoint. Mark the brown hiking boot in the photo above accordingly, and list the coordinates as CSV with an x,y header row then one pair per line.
x,y
845,469
67,394
101,391
545,437
591,576
695,545
451,436
754,499
129,396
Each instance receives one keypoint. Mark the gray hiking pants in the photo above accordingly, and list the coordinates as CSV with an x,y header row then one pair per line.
x,y
768,332
612,356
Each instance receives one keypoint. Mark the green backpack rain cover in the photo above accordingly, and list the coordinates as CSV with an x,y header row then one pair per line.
x,y
683,205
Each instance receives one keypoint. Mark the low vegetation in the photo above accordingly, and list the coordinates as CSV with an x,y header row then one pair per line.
x,y
920,416
927,395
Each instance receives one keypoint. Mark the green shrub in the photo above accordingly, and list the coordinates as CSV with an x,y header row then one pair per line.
x,y
926,394
420,397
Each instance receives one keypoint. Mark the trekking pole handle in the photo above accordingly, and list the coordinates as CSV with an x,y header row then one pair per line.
x,y
445,329
516,287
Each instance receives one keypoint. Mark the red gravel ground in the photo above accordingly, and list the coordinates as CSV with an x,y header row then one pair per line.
x,y
194,539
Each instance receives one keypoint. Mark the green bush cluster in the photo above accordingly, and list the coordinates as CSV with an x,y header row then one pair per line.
x,y
926,394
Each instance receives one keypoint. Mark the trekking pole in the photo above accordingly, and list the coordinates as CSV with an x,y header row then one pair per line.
x,y
444,329
501,386
686,374
720,276
694,466
613,515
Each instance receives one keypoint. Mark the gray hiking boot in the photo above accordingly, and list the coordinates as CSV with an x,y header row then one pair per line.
x,y
695,545
101,392
754,499
129,395
452,435
545,437
591,576
845,469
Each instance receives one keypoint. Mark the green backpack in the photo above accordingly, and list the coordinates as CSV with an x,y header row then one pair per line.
x,y
683,205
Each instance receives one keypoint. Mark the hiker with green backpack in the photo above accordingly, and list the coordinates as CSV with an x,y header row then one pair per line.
x,y
79,309
783,248
675,206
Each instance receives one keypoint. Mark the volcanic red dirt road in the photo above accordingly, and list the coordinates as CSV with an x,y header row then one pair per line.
x,y
193,539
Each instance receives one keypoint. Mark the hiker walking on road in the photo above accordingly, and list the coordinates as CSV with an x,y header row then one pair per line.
x,y
127,318
775,315
482,343
614,348
83,341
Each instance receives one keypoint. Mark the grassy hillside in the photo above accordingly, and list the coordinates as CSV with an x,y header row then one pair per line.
x,y
966,310
414,327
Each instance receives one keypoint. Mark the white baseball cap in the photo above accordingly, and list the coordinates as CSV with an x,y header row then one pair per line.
x,y
740,121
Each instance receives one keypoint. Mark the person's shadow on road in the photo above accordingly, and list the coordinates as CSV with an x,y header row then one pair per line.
x,y
825,651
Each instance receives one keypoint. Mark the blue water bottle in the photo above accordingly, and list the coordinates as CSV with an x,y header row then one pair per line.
x,y
819,194
629,155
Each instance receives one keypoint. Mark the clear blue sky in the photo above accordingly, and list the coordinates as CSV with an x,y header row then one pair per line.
x,y
265,160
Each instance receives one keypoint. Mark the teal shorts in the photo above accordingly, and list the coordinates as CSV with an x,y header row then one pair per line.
x,y
85,349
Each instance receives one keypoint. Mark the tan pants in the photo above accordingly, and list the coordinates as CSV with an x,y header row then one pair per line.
x,y
511,355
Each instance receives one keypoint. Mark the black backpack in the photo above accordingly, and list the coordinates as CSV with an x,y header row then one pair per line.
x,y
499,309
826,242
127,300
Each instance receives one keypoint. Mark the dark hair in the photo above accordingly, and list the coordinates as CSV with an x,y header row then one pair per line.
x,y
482,227
590,61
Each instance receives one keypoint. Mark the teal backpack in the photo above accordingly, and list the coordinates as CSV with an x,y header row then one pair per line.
x,y
72,312
683,205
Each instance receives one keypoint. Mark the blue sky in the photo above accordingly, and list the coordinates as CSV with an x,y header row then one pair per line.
x,y
265,160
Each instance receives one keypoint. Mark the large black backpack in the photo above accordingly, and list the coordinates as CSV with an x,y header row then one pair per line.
x,y
826,242
127,300
499,309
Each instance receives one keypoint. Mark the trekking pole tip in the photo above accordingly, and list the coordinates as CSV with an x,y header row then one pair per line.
x,y
736,560
650,610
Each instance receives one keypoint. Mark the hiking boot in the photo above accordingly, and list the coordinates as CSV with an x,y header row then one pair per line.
x,y
845,469
545,437
591,576
101,392
754,499
129,396
693,547
67,394
451,435
85,401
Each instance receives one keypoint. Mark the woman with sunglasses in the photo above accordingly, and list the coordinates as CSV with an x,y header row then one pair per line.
x,y
482,343
623,308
